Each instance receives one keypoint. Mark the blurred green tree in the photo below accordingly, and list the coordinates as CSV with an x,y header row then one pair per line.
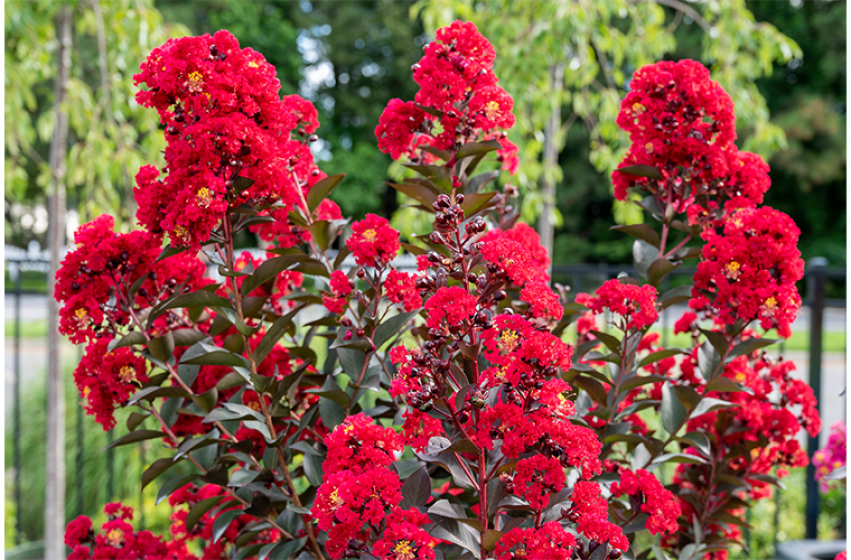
x,y
807,100
570,62
109,135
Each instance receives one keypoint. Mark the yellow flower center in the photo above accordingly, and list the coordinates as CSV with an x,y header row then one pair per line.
x,y
492,109
648,147
126,374
403,550
81,314
638,108
254,405
253,64
732,270
770,304
369,235
336,501
180,232
508,340
115,537
204,196
194,81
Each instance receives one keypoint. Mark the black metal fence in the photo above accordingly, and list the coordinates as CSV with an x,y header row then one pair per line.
x,y
818,280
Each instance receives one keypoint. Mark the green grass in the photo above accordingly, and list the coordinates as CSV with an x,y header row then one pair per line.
x,y
832,341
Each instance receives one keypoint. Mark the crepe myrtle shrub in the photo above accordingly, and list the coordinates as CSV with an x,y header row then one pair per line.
x,y
448,417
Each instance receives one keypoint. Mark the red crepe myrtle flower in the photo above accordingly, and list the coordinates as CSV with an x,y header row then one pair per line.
x,y
636,304
403,538
750,265
676,116
358,444
450,307
224,119
536,478
400,288
663,507
592,509
543,302
549,542
107,379
373,241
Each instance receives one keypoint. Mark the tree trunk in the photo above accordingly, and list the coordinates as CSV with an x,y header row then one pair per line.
x,y
54,511
550,160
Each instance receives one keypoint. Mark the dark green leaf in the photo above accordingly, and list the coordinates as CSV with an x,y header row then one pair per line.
x,y
640,231
274,334
416,490
477,148
658,269
198,298
643,255
421,193
718,340
223,521
157,468
173,484
321,190
133,437
130,339
749,346
199,509
659,355
708,360
391,327
674,296
642,171
709,404
269,270
673,411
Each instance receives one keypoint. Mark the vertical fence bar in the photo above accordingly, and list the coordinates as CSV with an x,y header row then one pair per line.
x,y
142,493
80,451
815,294
666,285
16,396
110,459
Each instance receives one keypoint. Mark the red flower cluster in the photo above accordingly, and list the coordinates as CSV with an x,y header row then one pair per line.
x,y
766,421
359,494
373,242
536,478
636,304
400,288
682,124
230,136
548,542
107,379
117,539
451,308
341,286
458,91
663,507
750,265
95,278
591,510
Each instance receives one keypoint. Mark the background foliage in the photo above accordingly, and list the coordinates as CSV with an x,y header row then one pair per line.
x,y
784,62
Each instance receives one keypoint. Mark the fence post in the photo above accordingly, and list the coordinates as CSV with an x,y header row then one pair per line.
x,y
815,295
80,451
15,272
